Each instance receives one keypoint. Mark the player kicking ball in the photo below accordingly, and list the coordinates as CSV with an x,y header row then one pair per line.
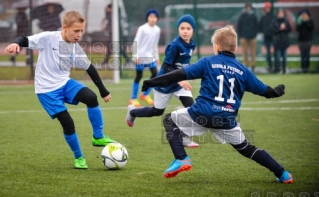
x,y
177,55
224,82
59,52
147,38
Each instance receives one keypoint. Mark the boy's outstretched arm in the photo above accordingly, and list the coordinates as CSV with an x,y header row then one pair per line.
x,y
278,91
165,80
105,94
21,41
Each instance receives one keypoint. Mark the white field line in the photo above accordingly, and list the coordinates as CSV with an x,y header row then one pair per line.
x,y
171,107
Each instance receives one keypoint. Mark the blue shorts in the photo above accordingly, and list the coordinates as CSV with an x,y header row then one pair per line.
x,y
53,102
140,67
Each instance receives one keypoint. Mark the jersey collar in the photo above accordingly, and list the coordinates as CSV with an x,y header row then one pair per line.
x,y
227,53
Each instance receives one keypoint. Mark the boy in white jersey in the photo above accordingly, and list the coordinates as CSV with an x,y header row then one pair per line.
x,y
147,38
59,52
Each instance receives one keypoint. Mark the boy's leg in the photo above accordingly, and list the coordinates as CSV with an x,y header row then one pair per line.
x,y
145,95
71,138
174,123
88,97
263,158
187,100
53,103
136,85
182,162
237,139
158,109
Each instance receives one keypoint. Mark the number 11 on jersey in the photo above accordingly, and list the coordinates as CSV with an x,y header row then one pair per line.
x,y
221,87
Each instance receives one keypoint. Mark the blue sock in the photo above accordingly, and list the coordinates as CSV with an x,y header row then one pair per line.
x,y
96,119
147,92
74,144
135,88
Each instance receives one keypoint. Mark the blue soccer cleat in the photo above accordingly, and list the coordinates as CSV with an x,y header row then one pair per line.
x,y
178,166
286,178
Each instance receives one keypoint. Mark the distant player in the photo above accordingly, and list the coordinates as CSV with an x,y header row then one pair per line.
x,y
59,52
224,82
177,55
147,38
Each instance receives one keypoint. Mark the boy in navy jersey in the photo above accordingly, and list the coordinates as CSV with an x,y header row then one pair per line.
x,y
59,52
224,81
177,55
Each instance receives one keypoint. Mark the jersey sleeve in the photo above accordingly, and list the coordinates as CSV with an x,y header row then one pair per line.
x,y
81,59
170,54
253,84
196,70
39,41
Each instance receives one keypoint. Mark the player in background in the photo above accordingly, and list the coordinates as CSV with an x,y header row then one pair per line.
x,y
146,39
223,83
177,55
59,52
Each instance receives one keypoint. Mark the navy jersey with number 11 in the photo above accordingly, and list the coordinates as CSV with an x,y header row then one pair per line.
x,y
224,81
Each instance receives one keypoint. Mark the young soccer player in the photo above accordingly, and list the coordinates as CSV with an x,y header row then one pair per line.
x,y
58,53
177,55
224,81
147,38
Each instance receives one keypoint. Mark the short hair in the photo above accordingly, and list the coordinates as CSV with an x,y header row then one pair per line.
x,y
226,38
109,6
71,17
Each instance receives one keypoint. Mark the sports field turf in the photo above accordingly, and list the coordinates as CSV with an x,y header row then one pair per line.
x,y
36,161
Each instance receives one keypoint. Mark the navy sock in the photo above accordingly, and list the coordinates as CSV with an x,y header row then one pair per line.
x,y
174,137
74,144
142,112
264,159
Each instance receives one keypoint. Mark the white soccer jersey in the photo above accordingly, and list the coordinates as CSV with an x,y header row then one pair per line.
x,y
56,59
147,38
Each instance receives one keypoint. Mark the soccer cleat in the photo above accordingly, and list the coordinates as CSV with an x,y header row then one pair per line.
x,y
178,166
147,99
135,102
102,141
187,142
80,163
129,118
286,178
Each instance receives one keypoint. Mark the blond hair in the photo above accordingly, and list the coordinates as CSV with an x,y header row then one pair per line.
x,y
71,17
226,38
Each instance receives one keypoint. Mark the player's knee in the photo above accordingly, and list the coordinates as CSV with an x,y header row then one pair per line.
x,y
91,99
157,112
88,97
66,122
245,148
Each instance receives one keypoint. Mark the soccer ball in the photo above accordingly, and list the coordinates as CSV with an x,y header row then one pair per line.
x,y
114,156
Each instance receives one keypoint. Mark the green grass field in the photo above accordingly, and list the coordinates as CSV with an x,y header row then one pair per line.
x,y
36,161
